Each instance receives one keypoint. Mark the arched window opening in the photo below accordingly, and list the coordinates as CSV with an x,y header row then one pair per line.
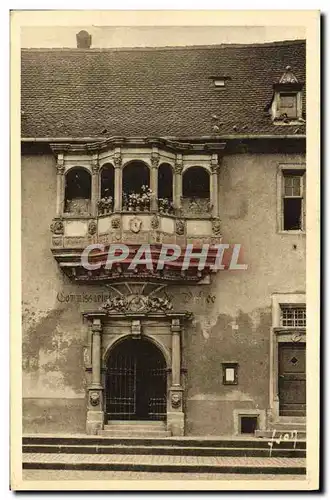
x,y
105,204
136,191
77,191
165,189
196,191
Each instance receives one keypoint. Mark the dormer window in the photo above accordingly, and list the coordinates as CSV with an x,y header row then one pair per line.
x,y
286,107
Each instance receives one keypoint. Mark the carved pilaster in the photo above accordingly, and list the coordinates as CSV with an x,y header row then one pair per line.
x,y
117,161
95,415
60,185
95,184
154,178
178,167
215,166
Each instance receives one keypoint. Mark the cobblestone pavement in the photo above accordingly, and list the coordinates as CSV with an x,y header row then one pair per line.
x,y
163,459
52,475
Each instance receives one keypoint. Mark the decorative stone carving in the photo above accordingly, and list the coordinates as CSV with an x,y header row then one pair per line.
x,y
155,222
94,398
60,167
136,303
180,227
117,159
57,227
215,167
115,223
136,328
95,166
135,224
176,400
57,242
178,167
196,206
155,159
216,227
288,77
92,227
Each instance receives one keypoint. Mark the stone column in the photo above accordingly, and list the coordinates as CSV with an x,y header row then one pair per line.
x,y
175,415
60,191
118,191
214,194
176,352
178,183
95,415
95,185
154,180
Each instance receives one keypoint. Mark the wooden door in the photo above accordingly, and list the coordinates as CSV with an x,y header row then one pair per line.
x,y
292,379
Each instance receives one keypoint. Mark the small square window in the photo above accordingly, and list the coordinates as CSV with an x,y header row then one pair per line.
x,y
249,424
219,82
230,373
293,316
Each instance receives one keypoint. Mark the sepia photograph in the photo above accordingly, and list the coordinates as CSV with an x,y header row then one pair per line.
x,y
167,214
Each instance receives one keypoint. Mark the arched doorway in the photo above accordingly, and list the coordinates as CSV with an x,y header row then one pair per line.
x,y
136,381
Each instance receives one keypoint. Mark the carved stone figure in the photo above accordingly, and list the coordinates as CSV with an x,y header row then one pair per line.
x,y
154,159
155,222
117,159
94,398
180,227
176,400
92,227
115,222
216,227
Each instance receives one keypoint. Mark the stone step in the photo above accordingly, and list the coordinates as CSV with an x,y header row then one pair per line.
x,y
155,463
185,441
134,432
138,427
301,434
164,450
149,423
289,426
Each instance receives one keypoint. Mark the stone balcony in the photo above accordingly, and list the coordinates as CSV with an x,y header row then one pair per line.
x,y
72,234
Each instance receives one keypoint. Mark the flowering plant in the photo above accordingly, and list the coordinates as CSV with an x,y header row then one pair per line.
x,y
138,201
105,205
165,206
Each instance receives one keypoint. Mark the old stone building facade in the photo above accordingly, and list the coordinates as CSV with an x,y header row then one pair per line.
x,y
176,145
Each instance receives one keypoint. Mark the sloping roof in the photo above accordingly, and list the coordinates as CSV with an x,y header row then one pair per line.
x,y
158,92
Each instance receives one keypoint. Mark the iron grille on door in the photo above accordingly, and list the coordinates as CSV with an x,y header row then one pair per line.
x,y
136,382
